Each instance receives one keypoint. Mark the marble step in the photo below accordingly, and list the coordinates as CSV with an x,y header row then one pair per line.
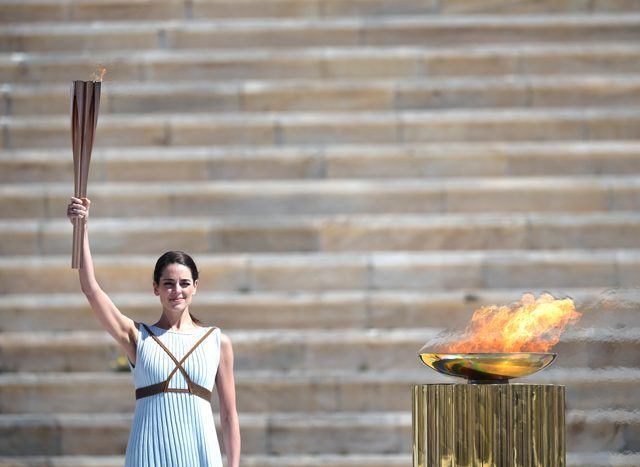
x,y
314,392
327,63
302,33
301,460
338,233
427,161
297,350
304,198
91,434
287,434
329,96
330,128
574,459
322,310
312,272
31,11
15,11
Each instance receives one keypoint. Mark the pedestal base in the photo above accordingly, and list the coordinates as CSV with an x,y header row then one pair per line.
x,y
500,425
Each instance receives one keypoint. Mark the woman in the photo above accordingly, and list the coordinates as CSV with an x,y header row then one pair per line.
x,y
175,364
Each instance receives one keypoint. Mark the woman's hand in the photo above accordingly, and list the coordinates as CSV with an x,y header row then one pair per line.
x,y
78,209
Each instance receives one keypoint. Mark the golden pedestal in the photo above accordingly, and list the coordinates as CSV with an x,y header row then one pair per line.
x,y
501,425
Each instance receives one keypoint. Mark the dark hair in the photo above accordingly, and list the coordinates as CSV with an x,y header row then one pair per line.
x,y
176,257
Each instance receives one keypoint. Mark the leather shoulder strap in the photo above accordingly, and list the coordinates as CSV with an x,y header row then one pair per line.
x,y
163,386
175,360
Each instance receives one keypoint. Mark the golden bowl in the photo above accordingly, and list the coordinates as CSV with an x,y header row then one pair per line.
x,y
488,367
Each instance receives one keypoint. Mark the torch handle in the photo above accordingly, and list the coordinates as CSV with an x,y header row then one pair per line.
x,y
78,239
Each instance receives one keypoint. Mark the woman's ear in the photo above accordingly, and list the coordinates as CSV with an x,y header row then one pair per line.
x,y
195,287
155,289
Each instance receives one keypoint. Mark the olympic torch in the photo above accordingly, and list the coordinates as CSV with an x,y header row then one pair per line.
x,y
85,103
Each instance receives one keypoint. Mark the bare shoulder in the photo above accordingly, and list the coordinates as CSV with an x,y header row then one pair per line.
x,y
225,341
226,356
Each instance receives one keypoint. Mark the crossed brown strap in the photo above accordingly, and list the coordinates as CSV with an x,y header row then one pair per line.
x,y
163,386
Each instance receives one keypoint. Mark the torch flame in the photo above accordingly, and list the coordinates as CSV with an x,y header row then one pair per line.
x,y
529,325
99,75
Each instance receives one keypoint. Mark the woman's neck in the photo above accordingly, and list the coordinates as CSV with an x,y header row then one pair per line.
x,y
182,322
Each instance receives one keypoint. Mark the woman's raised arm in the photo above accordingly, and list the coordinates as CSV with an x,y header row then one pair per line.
x,y
122,328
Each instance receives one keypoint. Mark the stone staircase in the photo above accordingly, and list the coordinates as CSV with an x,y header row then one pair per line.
x,y
351,176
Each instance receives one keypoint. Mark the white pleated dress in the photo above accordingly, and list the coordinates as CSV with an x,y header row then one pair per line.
x,y
174,429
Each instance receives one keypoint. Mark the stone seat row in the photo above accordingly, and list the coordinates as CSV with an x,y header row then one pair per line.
x,y
574,459
326,460
565,58
428,161
310,350
300,460
93,10
331,128
302,198
287,392
424,31
332,234
600,307
313,272
330,96
290,433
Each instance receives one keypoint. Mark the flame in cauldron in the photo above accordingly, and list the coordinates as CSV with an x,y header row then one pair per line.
x,y
529,325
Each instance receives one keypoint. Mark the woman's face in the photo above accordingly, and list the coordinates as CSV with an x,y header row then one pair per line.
x,y
176,287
